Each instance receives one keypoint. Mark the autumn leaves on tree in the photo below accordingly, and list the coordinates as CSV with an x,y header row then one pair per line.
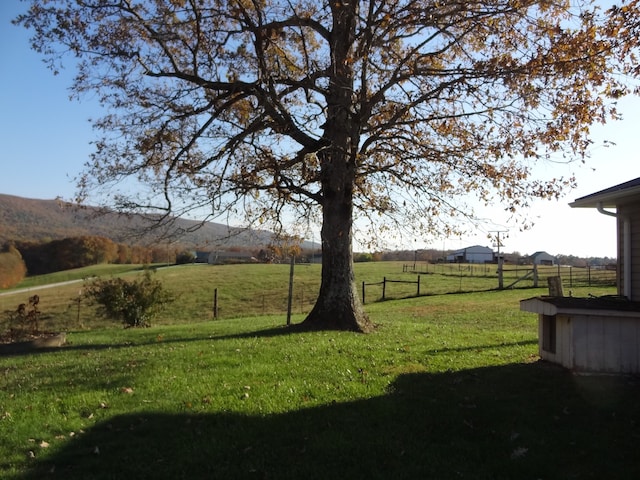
x,y
388,111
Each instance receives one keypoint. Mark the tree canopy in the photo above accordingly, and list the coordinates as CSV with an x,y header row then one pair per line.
x,y
389,110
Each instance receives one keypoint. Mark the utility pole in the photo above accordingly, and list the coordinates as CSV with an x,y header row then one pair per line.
x,y
500,260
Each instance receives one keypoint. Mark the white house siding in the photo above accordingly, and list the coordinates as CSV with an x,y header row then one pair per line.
x,y
565,339
635,250
545,354
596,340
605,344
563,354
632,213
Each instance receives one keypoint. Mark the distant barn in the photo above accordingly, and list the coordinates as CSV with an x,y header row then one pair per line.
x,y
542,258
474,254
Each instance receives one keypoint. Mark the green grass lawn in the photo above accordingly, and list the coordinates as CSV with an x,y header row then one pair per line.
x,y
447,387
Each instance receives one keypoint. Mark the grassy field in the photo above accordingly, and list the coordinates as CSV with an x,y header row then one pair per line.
x,y
447,387
242,290
251,290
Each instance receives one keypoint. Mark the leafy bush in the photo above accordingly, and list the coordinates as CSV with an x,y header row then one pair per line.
x,y
185,257
363,257
134,303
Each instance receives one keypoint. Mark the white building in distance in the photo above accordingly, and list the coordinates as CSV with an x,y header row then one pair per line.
x,y
474,254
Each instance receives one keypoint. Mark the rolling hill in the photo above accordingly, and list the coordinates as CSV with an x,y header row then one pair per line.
x,y
28,219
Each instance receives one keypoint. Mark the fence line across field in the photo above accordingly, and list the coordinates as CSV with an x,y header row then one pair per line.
x,y
384,282
573,276
67,306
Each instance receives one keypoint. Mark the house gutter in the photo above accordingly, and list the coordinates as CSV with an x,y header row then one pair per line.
x,y
626,246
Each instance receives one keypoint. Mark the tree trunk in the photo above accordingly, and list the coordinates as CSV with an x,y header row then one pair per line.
x,y
338,305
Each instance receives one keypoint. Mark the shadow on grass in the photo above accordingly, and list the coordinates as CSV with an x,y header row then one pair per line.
x,y
524,421
264,333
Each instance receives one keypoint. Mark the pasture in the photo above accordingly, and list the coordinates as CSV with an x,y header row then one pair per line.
x,y
449,386
259,289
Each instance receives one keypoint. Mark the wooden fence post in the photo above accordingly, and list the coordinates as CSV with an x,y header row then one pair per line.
x,y
570,277
363,301
215,303
384,286
79,301
418,294
291,268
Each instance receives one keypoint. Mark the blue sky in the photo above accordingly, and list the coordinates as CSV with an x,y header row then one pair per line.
x,y
45,141
44,136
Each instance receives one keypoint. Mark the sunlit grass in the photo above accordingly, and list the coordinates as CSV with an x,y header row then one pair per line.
x,y
447,386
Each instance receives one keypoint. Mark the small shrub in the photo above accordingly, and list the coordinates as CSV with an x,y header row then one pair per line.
x,y
185,257
134,303
23,321
363,257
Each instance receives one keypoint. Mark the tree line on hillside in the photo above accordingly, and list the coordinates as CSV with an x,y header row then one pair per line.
x,y
19,258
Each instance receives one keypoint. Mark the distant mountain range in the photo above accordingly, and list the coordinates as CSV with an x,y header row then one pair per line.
x,y
28,219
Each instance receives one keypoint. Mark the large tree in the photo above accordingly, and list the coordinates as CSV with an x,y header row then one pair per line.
x,y
387,110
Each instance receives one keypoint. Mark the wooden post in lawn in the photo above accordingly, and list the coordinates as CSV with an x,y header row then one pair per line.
x,y
290,300
555,286
500,259
215,303
79,301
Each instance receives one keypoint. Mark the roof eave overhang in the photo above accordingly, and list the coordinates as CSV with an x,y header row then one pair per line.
x,y
606,200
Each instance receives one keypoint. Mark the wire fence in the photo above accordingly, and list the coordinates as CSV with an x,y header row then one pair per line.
x,y
573,276
434,279
65,307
